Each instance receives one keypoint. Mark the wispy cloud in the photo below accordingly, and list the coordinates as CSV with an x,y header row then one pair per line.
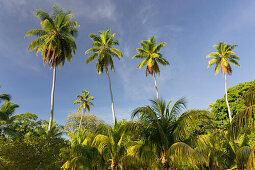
x,y
133,80
92,10
235,20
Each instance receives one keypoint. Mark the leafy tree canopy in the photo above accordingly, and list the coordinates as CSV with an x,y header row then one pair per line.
x,y
235,97
89,121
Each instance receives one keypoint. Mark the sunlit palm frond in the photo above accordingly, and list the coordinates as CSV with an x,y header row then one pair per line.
x,y
180,152
189,121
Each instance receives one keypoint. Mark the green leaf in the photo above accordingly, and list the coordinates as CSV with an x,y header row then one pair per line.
x,y
91,57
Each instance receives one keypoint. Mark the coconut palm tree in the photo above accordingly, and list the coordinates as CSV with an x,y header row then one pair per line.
x,y
113,143
55,42
164,130
84,101
222,59
150,52
102,49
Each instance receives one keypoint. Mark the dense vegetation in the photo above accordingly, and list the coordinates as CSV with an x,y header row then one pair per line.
x,y
160,135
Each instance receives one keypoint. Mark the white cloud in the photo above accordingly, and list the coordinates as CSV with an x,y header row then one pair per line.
x,y
92,10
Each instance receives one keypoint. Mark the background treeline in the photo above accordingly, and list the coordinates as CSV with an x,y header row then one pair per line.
x,y
162,135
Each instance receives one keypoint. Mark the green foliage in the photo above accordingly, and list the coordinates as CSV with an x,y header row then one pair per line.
x,y
21,124
37,150
235,97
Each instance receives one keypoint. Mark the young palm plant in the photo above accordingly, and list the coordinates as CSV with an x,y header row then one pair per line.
x,y
84,101
222,59
102,49
55,42
163,127
81,154
143,153
220,151
150,52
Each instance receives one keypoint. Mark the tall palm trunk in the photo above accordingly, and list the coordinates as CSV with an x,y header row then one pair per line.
x,y
110,88
83,112
226,91
156,84
52,99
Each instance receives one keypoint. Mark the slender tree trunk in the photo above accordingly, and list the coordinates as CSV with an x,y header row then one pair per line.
x,y
110,88
83,112
226,91
52,99
156,84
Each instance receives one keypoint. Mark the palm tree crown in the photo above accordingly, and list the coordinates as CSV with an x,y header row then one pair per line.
x,y
55,39
84,101
102,48
150,53
222,58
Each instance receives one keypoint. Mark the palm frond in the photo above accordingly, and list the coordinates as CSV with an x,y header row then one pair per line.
x,y
178,106
158,47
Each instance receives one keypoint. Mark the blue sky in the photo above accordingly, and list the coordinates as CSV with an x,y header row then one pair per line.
x,y
189,28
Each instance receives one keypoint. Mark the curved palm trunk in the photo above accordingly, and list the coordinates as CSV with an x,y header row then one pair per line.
x,y
110,88
165,162
226,91
212,165
52,99
83,112
114,164
156,84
